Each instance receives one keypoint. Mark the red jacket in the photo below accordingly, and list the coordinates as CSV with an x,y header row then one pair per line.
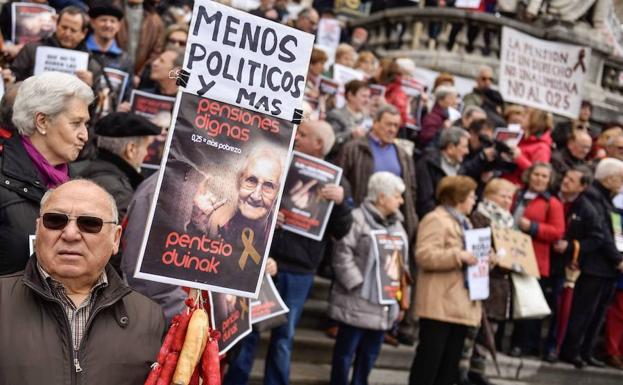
x,y
396,95
533,149
547,218
432,124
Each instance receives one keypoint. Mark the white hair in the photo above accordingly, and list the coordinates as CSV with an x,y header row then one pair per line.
x,y
608,167
443,91
47,93
324,132
385,183
111,200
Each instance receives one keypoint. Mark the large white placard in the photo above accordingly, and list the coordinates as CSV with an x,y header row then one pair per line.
x,y
478,242
245,60
59,59
542,74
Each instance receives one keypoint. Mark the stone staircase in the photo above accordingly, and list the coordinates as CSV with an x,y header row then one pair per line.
x,y
311,358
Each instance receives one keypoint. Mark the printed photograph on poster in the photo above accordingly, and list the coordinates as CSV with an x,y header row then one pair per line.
x,y
478,242
229,315
390,252
61,60
31,22
510,135
328,33
246,60
214,210
159,110
268,304
110,91
343,75
305,211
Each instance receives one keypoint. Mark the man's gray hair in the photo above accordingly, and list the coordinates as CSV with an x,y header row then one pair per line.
x,y
471,110
452,135
117,145
111,199
47,93
385,109
608,167
324,131
384,182
442,91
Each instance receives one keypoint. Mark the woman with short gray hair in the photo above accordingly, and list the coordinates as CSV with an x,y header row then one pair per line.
x,y
355,299
50,113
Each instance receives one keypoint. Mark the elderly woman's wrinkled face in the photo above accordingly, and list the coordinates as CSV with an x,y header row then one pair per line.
x,y
503,198
65,133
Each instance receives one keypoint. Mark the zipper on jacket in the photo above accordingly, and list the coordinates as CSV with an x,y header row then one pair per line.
x,y
76,362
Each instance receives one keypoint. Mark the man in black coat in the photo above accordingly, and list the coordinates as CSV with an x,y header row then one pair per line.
x,y
596,285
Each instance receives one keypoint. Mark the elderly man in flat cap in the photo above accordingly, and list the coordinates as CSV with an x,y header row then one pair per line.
x,y
122,142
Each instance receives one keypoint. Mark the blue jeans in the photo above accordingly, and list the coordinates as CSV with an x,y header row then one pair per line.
x,y
351,340
240,366
294,289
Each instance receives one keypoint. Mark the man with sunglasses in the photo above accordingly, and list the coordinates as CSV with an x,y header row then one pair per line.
x,y
69,318
485,97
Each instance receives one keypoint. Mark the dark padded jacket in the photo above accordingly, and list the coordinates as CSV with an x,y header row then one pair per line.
x,y
21,191
121,341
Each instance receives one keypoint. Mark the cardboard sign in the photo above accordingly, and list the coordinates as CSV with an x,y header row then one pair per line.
x,y
229,315
478,242
31,22
212,219
305,211
59,59
159,110
390,253
542,74
515,252
328,33
110,93
268,304
245,60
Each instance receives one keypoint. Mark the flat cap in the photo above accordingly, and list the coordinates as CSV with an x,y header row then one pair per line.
x,y
124,124
108,8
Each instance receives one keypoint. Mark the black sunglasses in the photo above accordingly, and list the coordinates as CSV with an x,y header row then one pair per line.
x,y
86,223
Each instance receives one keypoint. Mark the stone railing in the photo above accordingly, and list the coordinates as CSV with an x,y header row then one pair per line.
x,y
458,41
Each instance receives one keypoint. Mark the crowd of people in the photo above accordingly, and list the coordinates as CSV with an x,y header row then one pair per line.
x,y
423,163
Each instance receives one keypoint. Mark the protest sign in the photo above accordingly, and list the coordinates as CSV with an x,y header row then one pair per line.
x,y
59,59
611,29
110,90
229,315
542,74
478,242
305,211
471,4
390,253
343,75
617,229
31,22
245,60
514,251
268,304
213,214
328,33
159,110
510,135
377,91
414,90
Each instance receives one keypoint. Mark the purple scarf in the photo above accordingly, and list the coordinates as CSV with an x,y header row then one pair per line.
x,y
51,176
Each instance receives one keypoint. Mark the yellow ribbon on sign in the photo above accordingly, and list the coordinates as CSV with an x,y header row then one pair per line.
x,y
244,308
249,250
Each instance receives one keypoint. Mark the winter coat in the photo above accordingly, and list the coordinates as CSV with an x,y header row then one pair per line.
x,y
115,175
24,63
432,124
441,293
429,172
396,96
343,121
351,260
21,191
562,160
547,225
357,163
533,149
122,339
603,263
150,43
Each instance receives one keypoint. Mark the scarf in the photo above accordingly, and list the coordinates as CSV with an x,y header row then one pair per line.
x,y
498,216
51,176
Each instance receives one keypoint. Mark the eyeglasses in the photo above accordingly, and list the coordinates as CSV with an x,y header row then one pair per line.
x,y
86,223
251,182
181,43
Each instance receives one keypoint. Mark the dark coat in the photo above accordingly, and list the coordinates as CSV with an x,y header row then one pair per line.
x,y
562,161
604,262
357,163
24,63
123,335
21,191
432,124
298,254
150,43
429,172
115,175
